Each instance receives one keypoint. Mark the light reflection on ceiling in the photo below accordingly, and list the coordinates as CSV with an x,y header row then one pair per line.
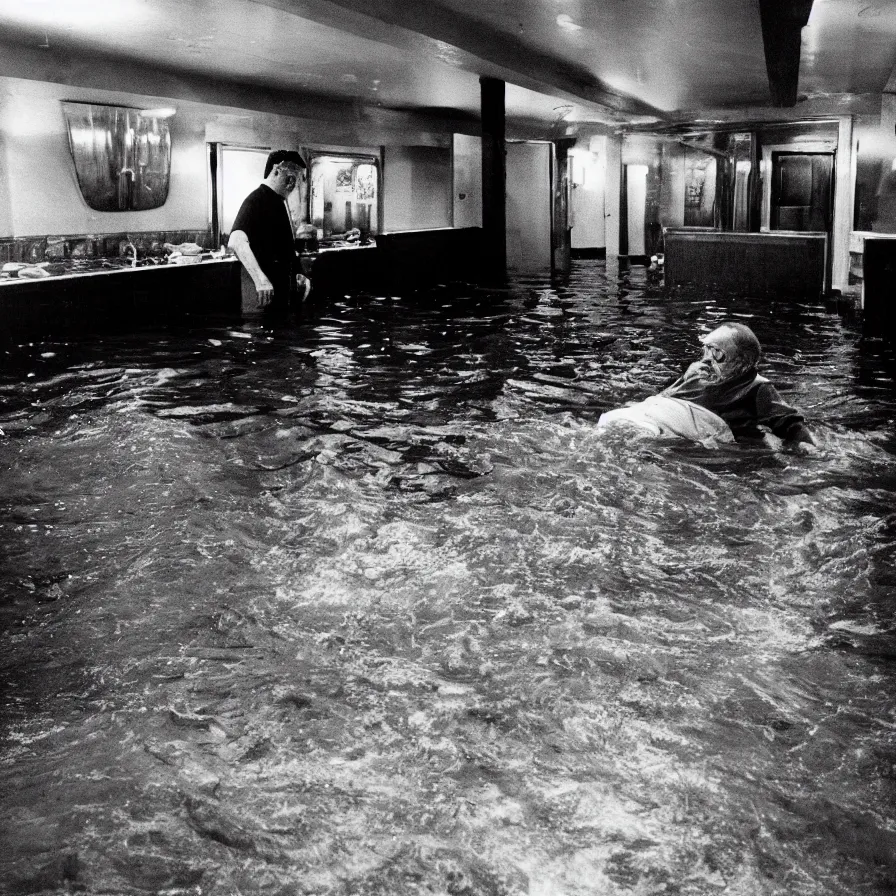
x,y
613,62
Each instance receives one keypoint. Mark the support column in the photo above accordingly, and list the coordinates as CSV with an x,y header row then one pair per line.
x,y
844,199
561,236
494,174
214,194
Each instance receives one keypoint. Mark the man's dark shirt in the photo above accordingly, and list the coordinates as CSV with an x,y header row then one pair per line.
x,y
265,221
745,403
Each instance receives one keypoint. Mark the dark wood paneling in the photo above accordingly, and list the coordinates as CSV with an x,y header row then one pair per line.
x,y
336,272
418,258
747,262
79,304
131,298
400,262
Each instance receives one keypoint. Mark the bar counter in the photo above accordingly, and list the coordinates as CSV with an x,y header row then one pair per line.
x,y
117,298
782,262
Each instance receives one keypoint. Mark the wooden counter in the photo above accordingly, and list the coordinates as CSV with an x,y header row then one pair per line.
x,y
781,262
122,299
400,262
130,298
342,270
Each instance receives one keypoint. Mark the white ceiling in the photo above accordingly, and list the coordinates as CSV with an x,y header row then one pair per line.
x,y
565,61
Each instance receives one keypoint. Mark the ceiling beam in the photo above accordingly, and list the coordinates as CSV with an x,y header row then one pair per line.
x,y
78,66
782,25
423,28
745,118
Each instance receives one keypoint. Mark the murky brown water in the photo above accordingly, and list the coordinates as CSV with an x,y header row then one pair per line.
x,y
368,607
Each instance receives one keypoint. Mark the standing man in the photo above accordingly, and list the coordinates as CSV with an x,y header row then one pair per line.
x,y
262,236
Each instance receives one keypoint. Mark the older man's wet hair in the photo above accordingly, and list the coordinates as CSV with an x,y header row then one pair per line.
x,y
283,157
748,348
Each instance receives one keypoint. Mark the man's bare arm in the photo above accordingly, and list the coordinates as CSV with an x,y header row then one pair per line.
x,y
239,242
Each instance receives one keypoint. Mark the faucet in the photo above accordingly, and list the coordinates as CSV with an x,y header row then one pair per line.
x,y
130,245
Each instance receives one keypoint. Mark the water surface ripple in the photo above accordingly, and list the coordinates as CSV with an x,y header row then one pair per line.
x,y
367,606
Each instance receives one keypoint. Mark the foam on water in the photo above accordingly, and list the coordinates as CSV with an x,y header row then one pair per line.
x,y
369,606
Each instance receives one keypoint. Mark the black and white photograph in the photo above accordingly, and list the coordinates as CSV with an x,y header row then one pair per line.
x,y
447,447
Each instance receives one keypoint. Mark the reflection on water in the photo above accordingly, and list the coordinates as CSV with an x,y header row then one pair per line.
x,y
367,606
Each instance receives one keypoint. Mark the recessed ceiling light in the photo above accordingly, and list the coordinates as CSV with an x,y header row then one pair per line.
x,y
565,21
160,112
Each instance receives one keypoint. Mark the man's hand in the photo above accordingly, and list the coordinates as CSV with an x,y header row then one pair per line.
x,y
303,287
265,290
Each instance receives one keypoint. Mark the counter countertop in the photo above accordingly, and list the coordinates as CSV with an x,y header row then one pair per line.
x,y
744,235
69,275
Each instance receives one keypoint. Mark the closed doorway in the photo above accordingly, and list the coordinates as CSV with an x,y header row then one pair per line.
x,y
636,207
802,191
529,206
798,191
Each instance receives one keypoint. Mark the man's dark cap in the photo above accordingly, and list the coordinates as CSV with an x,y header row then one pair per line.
x,y
289,156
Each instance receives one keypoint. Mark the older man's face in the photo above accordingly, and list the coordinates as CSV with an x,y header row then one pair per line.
x,y
721,359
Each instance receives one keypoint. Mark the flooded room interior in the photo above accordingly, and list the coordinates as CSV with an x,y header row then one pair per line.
x,y
337,574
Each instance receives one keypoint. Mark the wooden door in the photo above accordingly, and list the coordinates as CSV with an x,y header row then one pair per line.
x,y
802,191
529,206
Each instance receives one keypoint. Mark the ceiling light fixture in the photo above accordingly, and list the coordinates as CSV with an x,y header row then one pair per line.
x,y
77,14
159,112
565,21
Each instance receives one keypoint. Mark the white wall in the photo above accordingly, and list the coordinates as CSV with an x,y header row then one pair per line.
x,y
39,175
417,188
844,199
39,192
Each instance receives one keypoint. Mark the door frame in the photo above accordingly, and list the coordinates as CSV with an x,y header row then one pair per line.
x,y
816,148
215,154
820,147
552,176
